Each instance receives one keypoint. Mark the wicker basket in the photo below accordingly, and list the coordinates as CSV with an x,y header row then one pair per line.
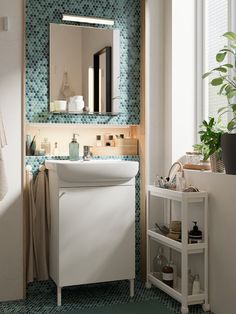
x,y
217,164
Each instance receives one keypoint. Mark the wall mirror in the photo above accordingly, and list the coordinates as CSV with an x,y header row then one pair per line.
x,y
84,69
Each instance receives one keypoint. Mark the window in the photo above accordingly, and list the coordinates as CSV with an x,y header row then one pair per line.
x,y
214,18
216,24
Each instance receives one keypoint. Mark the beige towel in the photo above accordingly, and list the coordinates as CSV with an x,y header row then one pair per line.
x,y
30,218
42,225
3,178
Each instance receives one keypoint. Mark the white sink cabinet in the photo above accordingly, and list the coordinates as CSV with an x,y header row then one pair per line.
x,y
92,227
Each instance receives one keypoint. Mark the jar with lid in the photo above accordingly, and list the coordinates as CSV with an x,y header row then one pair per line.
x,y
193,158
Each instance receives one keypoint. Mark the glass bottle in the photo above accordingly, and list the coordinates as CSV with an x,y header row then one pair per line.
x,y
174,266
55,149
158,263
168,275
190,282
46,146
196,285
74,149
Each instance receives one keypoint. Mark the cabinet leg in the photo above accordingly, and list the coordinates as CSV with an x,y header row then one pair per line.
x,y
206,307
58,296
131,288
148,285
184,310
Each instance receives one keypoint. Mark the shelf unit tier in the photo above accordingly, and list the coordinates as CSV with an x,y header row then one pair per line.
x,y
176,294
178,246
190,197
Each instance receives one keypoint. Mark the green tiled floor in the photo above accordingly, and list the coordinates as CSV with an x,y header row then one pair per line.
x,y
99,298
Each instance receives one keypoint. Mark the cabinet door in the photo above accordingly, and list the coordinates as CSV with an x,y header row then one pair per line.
x,y
96,234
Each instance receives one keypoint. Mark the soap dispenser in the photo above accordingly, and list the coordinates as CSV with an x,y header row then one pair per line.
x,y
74,149
195,235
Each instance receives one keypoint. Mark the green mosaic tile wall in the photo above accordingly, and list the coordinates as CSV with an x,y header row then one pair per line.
x,y
39,14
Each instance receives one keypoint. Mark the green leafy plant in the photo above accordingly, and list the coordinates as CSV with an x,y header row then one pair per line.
x,y
224,77
210,136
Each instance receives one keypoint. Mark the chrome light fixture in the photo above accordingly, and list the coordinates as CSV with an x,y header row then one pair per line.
x,y
84,19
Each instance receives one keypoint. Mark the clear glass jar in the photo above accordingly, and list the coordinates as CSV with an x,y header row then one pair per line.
x,y
193,158
158,263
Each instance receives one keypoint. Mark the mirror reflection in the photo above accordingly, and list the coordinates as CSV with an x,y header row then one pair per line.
x,y
84,69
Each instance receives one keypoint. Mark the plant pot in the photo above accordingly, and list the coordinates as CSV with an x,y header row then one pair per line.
x,y
217,164
228,144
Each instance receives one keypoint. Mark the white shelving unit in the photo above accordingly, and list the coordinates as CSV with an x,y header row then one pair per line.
x,y
183,247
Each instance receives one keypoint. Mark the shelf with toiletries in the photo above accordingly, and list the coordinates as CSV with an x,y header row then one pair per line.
x,y
178,221
59,136
166,272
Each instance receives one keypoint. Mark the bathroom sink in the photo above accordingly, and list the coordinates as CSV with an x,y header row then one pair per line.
x,y
93,171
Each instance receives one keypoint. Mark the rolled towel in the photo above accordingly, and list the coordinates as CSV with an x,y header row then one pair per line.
x,y
3,178
3,140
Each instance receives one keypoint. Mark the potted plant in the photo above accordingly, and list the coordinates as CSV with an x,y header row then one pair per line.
x,y
224,77
210,146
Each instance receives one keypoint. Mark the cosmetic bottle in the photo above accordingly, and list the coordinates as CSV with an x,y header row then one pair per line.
x,y
98,141
46,146
168,275
173,265
196,285
190,282
74,149
55,149
195,235
158,263
33,147
110,141
28,143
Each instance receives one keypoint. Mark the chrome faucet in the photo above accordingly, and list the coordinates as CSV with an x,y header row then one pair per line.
x,y
87,153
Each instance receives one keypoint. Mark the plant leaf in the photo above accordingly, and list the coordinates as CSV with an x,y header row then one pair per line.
x,y
231,125
221,109
231,94
206,74
222,88
228,65
220,69
227,50
230,36
220,56
217,81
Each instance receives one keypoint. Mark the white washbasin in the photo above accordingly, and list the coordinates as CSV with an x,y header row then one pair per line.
x,y
93,171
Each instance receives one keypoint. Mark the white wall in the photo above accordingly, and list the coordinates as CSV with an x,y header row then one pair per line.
x,y
170,79
222,222
183,77
154,87
11,231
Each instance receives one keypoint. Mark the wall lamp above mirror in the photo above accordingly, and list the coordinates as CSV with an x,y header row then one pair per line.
x,y
85,19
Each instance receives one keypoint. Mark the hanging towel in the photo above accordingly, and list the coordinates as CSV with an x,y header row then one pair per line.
x,y
3,178
42,224
30,218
